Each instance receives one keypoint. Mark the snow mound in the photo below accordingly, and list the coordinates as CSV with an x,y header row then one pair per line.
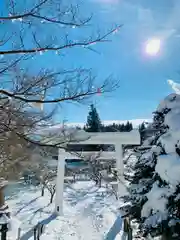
x,y
168,168
171,101
157,201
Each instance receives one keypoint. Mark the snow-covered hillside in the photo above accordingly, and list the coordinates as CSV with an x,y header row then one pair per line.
x,y
89,213
135,122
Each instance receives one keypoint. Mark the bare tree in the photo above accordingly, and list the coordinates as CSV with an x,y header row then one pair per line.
x,y
48,182
31,91
51,187
45,175
97,170
15,152
33,31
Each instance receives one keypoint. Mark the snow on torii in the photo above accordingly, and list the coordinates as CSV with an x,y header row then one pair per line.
x,y
81,137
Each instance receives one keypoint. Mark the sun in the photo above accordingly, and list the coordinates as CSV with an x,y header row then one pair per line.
x,y
153,46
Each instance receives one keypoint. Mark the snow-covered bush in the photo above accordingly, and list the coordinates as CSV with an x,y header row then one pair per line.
x,y
155,184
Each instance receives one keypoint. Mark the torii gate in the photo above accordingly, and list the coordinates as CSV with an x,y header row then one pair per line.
x,y
112,138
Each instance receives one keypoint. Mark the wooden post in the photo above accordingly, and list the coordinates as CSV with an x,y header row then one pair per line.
x,y
2,200
3,184
3,207
38,230
19,233
35,233
4,230
127,228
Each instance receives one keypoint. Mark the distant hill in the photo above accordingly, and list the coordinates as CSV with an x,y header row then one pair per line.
x,y
135,122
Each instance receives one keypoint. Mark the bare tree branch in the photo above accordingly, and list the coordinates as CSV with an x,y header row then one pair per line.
x,y
65,46
30,91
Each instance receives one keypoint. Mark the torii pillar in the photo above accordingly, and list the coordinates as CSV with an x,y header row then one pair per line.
x,y
120,168
60,182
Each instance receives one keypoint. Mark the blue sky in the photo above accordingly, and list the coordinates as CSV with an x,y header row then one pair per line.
x,y
143,79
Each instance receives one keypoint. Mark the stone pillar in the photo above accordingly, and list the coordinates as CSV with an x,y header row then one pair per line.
x,y
60,182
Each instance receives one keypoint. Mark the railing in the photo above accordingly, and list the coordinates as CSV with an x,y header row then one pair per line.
x,y
36,232
120,226
4,230
127,229
4,221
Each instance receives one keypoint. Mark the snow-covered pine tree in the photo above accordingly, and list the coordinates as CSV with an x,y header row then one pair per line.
x,y
155,185
142,129
93,120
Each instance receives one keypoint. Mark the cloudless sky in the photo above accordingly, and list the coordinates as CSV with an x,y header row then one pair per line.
x,y
143,78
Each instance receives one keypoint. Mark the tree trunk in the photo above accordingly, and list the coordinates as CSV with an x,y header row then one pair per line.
x,y
74,178
51,199
52,196
166,236
42,191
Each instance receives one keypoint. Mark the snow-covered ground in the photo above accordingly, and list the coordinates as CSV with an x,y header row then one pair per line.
x,y
89,213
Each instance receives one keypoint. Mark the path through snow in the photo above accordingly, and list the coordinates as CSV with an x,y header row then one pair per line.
x,y
89,212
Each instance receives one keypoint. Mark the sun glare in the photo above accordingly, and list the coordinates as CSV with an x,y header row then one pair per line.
x,y
153,47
